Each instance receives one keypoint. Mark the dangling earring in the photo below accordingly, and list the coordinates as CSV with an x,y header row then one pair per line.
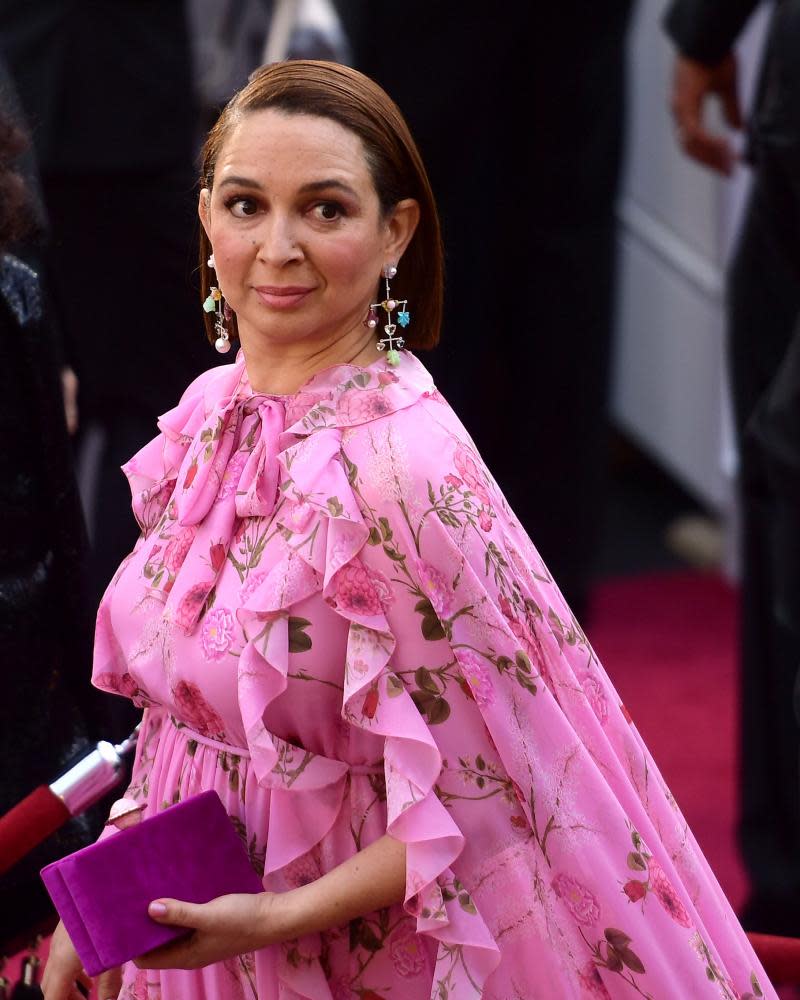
x,y
222,311
390,341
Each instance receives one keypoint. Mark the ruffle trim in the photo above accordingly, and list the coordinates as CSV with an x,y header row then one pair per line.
x,y
324,555
325,532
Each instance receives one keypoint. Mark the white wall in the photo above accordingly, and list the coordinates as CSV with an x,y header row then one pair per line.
x,y
678,223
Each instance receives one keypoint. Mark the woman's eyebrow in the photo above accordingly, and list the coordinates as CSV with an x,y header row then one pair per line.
x,y
240,182
326,185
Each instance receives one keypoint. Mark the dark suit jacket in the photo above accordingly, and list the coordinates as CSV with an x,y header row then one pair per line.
x,y
706,30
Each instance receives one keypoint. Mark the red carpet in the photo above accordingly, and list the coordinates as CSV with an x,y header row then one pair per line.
x,y
668,642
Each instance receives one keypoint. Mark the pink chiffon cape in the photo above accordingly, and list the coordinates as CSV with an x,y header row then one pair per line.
x,y
333,618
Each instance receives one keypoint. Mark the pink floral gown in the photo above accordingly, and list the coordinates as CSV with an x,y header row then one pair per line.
x,y
333,619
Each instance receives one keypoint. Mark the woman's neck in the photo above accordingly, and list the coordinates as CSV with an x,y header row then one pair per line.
x,y
281,369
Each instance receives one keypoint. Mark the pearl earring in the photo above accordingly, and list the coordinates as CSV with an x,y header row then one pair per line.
x,y
215,304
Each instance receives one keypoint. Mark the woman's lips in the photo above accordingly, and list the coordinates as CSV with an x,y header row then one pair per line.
x,y
282,297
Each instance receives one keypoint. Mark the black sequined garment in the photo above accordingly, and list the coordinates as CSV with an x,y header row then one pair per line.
x,y
45,628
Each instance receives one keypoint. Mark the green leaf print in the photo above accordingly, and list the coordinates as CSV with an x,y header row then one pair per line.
x,y
335,507
350,468
386,529
438,712
755,984
636,862
374,537
299,641
522,661
394,686
430,625
424,680
466,904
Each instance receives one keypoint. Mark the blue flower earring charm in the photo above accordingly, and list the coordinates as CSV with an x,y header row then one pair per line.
x,y
391,343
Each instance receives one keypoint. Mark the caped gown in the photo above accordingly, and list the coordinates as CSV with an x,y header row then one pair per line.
x,y
333,618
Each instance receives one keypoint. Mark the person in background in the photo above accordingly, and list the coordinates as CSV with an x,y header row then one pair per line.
x,y
46,713
529,101
764,358
108,92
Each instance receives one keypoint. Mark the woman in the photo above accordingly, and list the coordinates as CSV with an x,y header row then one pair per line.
x,y
333,619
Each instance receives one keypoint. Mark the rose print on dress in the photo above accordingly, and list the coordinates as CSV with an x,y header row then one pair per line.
x,y
358,406
405,947
194,711
361,590
664,892
476,676
454,637
217,633
580,901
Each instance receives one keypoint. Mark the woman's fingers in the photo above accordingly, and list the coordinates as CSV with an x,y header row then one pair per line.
x,y
63,969
109,984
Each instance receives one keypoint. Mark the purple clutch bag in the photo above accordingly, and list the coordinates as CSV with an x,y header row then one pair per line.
x,y
190,851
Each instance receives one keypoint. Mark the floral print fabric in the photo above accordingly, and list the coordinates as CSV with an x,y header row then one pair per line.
x,y
333,618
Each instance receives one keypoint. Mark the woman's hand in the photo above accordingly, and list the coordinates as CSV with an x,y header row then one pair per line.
x,y
225,927
64,978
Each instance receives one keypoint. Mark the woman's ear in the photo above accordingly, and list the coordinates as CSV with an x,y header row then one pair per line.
x,y
203,206
400,227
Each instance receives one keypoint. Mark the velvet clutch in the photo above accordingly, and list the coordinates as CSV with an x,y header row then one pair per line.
x,y
190,852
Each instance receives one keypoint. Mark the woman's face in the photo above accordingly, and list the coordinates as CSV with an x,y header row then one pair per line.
x,y
298,235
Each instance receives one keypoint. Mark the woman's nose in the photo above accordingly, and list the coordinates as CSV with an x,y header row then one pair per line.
x,y
278,241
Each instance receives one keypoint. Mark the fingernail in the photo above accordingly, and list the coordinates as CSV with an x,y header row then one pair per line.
x,y
157,909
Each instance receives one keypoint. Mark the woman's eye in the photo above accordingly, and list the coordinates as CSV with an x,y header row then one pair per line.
x,y
241,207
328,211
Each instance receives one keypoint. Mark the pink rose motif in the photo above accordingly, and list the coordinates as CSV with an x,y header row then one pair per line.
x,y
251,584
358,406
484,519
299,405
216,555
635,890
232,475
178,548
299,515
474,672
592,983
453,481
435,585
596,697
138,988
153,552
405,949
302,871
190,605
358,668
471,473
507,608
340,989
362,590
122,684
664,891
386,377
415,883
195,711
579,900
217,633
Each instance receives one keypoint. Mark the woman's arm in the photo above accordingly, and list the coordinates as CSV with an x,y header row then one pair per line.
x,y
231,925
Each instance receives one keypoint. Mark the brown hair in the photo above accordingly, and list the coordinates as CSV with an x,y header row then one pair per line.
x,y
330,90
